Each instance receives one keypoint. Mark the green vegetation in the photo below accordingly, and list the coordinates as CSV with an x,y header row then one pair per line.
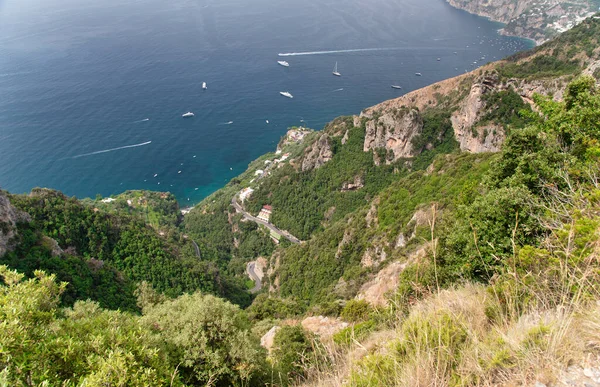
x,y
540,67
498,282
122,242
194,339
301,199
505,108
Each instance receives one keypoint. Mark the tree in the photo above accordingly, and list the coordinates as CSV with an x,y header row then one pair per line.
x,y
209,338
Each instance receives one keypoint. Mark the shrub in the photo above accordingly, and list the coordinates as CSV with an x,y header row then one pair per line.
x,y
356,310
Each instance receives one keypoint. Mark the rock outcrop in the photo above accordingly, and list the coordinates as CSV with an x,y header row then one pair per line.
x,y
293,136
357,183
485,138
393,130
318,153
386,281
266,341
9,217
324,327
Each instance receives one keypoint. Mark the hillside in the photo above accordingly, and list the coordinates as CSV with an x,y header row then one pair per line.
x,y
538,20
446,237
356,191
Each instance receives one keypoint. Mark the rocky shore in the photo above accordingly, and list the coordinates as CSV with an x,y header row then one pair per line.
x,y
538,20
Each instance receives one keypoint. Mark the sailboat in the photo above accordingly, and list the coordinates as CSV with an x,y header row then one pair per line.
x,y
335,71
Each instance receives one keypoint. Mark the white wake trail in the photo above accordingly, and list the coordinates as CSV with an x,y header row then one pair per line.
x,y
337,51
111,150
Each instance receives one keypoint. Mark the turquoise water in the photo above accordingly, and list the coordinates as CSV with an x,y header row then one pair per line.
x,y
92,92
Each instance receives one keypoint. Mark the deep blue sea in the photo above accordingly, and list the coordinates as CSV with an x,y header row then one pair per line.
x,y
92,92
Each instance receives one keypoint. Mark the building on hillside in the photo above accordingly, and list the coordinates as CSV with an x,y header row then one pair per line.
x,y
265,213
275,237
245,193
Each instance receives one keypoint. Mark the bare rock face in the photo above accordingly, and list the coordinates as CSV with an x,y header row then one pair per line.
x,y
9,216
374,291
373,257
267,340
371,218
317,154
293,136
354,185
55,249
394,131
472,108
323,326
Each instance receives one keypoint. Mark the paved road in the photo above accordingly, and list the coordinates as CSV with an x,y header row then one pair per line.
x,y
250,269
286,235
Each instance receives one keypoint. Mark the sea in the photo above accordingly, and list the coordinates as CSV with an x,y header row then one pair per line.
x,y
92,92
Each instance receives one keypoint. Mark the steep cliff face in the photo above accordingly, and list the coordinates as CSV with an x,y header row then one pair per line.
x,y
318,153
394,131
487,138
538,20
9,216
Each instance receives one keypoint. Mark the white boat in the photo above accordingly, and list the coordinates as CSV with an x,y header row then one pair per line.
x,y
267,121
204,86
286,94
396,87
283,63
418,74
188,114
335,71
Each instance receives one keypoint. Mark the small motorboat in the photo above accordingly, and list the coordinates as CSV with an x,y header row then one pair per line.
x,y
204,87
286,94
187,115
283,63
396,87
418,74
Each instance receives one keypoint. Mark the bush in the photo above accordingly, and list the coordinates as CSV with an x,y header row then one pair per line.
x,y
356,310
292,352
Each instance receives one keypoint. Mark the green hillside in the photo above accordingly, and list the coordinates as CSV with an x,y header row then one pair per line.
x,y
450,236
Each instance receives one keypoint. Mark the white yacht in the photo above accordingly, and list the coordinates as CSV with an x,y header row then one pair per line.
x,y
283,63
188,114
335,71
204,86
286,94
396,87
418,74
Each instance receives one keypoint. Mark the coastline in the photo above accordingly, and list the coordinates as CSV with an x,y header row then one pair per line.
x,y
520,20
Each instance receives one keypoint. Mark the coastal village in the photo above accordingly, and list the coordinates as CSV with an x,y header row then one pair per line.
x,y
293,136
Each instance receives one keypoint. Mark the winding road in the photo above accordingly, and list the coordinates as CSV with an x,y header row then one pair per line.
x,y
250,269
268,225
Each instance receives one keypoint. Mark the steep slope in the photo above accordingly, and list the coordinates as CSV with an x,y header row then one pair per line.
x,y
351,190
532,19
102,255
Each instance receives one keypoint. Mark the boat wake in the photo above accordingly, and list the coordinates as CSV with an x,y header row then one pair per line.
x,y
111,150
340,89
144,120
226,123
337,51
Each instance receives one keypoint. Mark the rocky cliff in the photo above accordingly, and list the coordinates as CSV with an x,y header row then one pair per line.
x,y
318,153
9,216
537,20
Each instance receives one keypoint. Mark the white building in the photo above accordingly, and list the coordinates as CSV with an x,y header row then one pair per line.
x,y
265,213
245,193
